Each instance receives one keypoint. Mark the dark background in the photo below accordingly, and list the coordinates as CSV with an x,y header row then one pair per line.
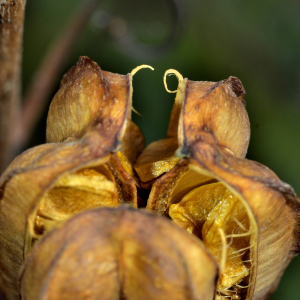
x,y
257,41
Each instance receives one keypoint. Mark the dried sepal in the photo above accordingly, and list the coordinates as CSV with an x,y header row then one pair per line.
x,y
118,253
93,147
234,205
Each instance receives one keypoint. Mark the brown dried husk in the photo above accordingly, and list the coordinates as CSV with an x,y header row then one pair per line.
x,y
118,254
273,205
211,127
91,115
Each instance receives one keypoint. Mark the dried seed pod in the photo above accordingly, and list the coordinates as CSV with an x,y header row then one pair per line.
x,y
119,254
260,221
244,214
93,99
87,164
221,111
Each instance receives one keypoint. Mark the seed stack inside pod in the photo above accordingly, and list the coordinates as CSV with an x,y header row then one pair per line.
x,y
203,183
221,220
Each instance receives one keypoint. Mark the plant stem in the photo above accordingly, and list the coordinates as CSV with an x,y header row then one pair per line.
x,y
11,32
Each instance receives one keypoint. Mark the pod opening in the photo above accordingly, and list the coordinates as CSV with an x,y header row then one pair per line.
x,y
209,210
73,193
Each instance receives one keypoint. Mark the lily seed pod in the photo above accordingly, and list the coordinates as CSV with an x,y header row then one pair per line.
x,y
88,163
243,213
118,254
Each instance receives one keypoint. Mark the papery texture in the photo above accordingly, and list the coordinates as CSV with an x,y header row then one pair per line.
x,y
273,203
118,253
89,128
244,214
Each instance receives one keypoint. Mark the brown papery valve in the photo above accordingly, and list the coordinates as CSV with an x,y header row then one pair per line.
x,y
198,176
118,254
87,164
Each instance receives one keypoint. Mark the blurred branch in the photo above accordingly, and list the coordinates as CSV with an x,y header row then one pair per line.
x,y
11,32
50,69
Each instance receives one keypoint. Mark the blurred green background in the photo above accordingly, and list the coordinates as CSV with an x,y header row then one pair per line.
x,y
257,41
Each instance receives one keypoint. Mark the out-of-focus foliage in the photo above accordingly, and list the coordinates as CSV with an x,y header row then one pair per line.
x,y
257,41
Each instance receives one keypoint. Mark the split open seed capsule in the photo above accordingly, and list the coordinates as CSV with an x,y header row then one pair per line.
x,y
87,163
246,216
118,253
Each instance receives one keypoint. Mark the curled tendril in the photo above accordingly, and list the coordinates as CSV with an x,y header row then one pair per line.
x,y
133,72
177,74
